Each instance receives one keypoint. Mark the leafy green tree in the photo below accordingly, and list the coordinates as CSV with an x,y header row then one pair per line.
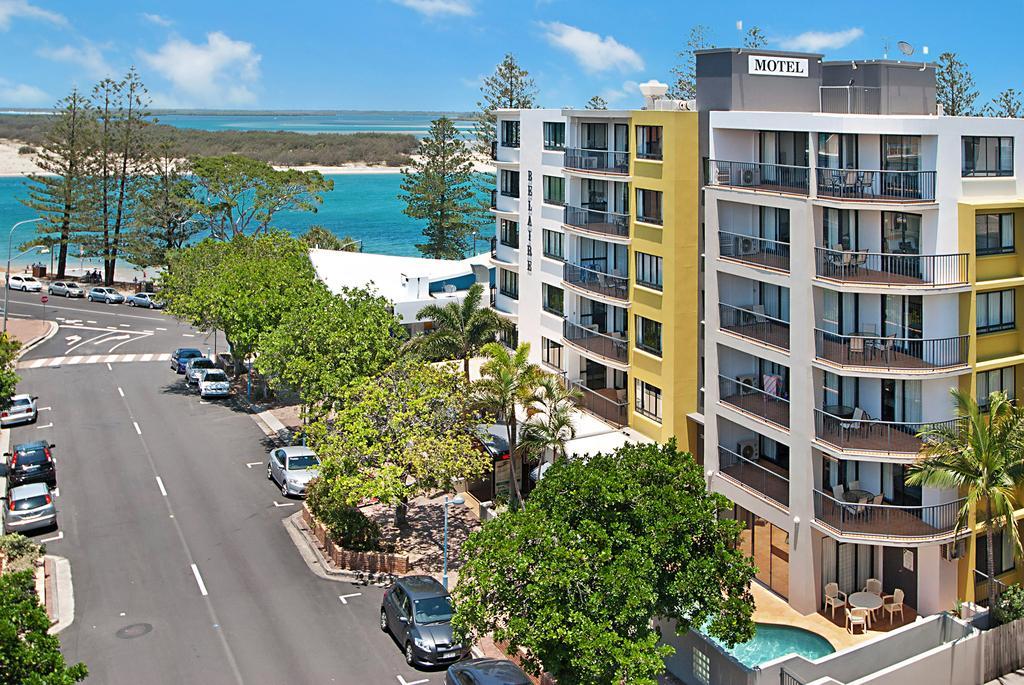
x,y
550,425
319,237
326,342
982,459
59,193
954,86
408,431
1007,104
685,86
438,188
509,87
460,329
236,195
597,102
28,654
602,549
8,356
755,38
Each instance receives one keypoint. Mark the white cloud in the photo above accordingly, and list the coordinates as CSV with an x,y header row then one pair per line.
x,y
88,56
819,41
21,94
157,19
9,9
594,53
219,72
433,8
628,89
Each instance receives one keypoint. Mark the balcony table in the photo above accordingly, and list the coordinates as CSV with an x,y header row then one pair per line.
x,y
865,600
840,411
855,496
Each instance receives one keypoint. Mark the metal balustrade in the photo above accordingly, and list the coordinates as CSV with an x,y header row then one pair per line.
x,y
753,476
886,521
598,403
848,432
602,344
891,269
754,324
891,352
875,184
607,161
598,221
609,285
784,178
750,399
750,249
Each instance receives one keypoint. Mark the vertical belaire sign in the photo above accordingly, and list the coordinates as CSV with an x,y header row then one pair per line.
x,y
529,220
766,65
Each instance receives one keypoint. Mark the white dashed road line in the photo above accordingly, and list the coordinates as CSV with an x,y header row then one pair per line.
x,y
137,429
120,392
160,483
199,580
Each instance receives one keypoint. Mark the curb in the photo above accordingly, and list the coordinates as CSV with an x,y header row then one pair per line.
x,y
64,601
38,340
315,560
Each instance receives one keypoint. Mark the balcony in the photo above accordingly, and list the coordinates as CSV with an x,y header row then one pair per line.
x,y
749,399
886,521
494,198
597,221
761,476
780,178
754,324
891,269
612,348
889,353
598,282
494,150
842,429
859,185
605,403
602,161
759,252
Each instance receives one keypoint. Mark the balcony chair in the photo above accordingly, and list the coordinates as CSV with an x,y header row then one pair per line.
x,y
887,346
854,485
837,491
850,182
832,181
858,617
855,423
895,606
874,586
865,180
877,499
854,345
834,597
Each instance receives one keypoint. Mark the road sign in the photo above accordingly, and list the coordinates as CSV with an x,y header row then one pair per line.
x,y
44,299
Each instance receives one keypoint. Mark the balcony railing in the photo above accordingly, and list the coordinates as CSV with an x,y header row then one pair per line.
x,y
891,269
844,430
510,192
752,250
764,480
754,324
494,149
595,281
598,221
494,248
494,198
783,178
886,521
606,161
752,400
602,344
890,352
600,403
873,184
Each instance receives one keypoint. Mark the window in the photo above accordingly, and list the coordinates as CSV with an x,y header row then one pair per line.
x,y
648,335
509,284
554,190
509,338
554,299
648,206
993,233
509,133
987,156
554,244
1004,552
509,183
551,353
509,233
648,270
995,311
648,400
554,135
648,142
701,666
997,380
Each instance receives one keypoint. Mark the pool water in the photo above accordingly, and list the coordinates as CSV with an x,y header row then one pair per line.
x,y
774,641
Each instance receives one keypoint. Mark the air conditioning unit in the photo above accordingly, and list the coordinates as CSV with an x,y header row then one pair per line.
x,y
748,177
952,551
748,449
746,245
748,383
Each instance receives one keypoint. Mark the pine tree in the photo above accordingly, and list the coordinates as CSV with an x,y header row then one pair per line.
x,y
597,102
439,188
1006,104
58,195
685,86
954,86
755,38
509,87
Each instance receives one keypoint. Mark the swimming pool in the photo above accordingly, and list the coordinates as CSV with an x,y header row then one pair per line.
x,y
772,641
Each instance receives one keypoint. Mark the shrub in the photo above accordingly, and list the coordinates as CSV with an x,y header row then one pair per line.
x,y
20,552
347,526
1010,605
26,150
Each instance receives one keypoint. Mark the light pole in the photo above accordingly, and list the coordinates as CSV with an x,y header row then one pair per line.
x,y
459,500
7,276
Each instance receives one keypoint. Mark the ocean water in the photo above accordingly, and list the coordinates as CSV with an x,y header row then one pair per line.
x,y
337,122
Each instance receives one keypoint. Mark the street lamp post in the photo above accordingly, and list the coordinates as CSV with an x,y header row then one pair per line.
x,y
7,276
459,500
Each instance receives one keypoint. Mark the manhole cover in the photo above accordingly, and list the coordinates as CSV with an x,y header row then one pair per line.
x,y
134,630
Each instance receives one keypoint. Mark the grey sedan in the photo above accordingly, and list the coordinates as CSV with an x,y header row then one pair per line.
x,y
29,507
147,300
66,289
292,468
108,295
196,366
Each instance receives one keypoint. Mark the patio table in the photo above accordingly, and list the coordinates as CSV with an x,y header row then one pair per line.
x,y
840,411
856,495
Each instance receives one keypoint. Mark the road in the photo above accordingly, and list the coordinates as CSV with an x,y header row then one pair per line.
x,y
183,571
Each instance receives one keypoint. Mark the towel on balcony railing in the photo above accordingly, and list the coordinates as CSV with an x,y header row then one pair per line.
x,y
772,384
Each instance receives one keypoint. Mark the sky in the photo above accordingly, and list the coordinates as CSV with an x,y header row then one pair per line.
x,y
430,55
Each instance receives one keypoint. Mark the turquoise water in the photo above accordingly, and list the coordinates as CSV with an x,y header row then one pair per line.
x,y
338,122
773,641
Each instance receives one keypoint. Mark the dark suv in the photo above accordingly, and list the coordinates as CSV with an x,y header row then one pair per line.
x,y
31,462
486,672
417,611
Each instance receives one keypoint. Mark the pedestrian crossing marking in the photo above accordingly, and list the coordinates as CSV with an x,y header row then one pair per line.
x,y
93,359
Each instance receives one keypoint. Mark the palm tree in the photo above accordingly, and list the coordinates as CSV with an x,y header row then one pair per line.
x,y
982,460
461,329
550,424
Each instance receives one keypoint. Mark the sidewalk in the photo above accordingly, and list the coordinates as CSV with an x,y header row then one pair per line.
x,y
27,331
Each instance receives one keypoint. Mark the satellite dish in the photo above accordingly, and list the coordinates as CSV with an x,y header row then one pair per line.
x,y
905,47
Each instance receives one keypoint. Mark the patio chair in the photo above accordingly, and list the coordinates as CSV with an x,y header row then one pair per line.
x,y
833,182
860,509
856,618
834,597
850,182
874,586
856,422
895,606
887,346
854,485
865,181
837,491
860,259
854,345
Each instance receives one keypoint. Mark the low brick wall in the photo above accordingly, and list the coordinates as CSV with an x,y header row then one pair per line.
x,y
544,679
373,562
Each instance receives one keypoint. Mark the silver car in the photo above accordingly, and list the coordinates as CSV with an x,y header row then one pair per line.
x,y
26,284
292,468
108,295
21,409
213,383
66,289
29,507
194,366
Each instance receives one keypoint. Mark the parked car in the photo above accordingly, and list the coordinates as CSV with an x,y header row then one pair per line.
x,y
180,357
214,383
417,611
66,288
194,366
29,507
26,284
108,295
144,300
486,672
20,409
292,468
31,462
